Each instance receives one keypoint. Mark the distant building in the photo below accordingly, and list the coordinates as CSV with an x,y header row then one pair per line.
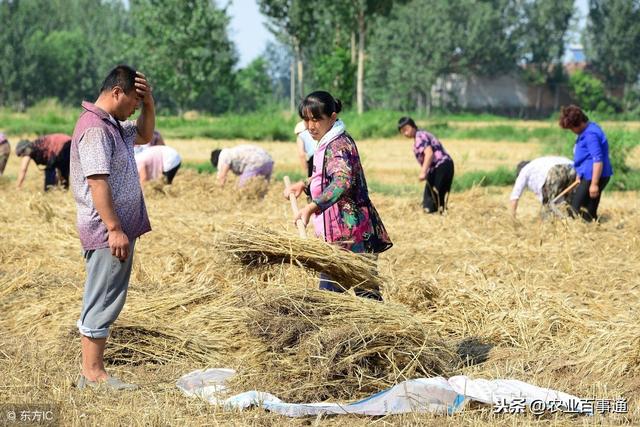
x,y
574,59
507,94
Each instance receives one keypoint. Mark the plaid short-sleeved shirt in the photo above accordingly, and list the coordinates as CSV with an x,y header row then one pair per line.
x,y
423,140
103,146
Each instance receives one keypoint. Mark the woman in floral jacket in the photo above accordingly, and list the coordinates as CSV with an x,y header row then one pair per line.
x,y
341,209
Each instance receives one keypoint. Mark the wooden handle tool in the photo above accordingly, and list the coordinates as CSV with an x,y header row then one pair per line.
x,y
294,207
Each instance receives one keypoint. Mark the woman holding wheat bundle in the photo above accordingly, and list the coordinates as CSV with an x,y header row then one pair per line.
x,y
341,209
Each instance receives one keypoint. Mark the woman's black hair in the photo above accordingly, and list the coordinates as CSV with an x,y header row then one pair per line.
x,y
318,104
215,156
521,166
406,121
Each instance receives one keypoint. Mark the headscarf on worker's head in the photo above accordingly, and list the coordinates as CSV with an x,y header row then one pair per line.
x,y
24,148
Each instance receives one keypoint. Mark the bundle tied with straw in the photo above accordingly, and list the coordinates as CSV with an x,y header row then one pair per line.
x,y
254,245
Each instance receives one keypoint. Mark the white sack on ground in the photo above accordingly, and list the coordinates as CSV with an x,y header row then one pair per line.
x,y
434,395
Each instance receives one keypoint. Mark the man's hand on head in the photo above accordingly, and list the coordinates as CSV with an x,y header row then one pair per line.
x,y
143,89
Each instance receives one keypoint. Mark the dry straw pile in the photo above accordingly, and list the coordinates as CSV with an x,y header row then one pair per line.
x,y
259,245
472,292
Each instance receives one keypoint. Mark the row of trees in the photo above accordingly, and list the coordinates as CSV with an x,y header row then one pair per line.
x,y
412,43
383,53
64,48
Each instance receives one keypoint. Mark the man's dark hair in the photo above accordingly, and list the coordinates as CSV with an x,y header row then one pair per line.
x,y
520,166
123,76
215,156
406,121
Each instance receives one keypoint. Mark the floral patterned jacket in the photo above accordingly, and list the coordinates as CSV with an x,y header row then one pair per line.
x,y
347,217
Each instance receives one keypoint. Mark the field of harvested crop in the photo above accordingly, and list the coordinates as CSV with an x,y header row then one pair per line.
x,y
473,292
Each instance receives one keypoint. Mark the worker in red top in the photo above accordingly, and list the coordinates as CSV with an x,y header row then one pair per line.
x,y
50,151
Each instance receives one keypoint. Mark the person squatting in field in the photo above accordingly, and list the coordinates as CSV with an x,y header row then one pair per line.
x,y
111,212
5,152
247,161
341,209
545,176
436,165
306,147
50,151
590,159
155,161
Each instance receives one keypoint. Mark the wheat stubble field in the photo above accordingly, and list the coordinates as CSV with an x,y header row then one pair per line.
x,y
552,303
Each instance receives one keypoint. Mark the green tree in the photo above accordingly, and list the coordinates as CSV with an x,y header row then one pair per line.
x,y
184,48
255,89
67,66
58,48
335,73
427,39
19,73
363,11
590,92
292,23
541,37
612,39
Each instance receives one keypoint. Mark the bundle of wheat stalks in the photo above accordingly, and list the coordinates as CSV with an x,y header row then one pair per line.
x,y
254,245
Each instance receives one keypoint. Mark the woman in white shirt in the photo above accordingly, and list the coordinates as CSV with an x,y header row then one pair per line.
x,y
306,147
545,176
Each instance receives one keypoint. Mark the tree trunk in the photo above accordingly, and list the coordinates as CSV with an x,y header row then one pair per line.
x,y
428,102
354,50
625,101
292,86
538,98
300,77
556,96
360,85
298,55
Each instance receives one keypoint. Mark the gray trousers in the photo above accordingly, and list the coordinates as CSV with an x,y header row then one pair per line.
x,y
105,291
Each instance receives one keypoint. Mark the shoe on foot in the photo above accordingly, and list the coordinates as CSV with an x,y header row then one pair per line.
x,y
110,383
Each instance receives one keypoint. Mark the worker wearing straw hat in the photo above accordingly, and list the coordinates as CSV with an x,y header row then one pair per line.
x,y
111,210
546,177
341,209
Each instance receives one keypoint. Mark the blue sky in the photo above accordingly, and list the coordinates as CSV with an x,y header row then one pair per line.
x,y
248,32
247,29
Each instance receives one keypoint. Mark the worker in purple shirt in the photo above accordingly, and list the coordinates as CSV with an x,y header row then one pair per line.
x,y
436,165
111,213
590,159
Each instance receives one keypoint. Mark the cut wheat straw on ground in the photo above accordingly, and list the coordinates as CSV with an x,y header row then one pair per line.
x,y
553,303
